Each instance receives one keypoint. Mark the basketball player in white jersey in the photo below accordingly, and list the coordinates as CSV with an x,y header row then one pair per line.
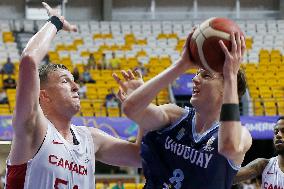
x,y
272,170
47,150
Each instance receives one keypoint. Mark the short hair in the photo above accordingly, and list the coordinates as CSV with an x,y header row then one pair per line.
x,y
280,118
242,83
45,69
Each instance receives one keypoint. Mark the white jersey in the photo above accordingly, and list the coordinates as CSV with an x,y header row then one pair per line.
x,y
61,165
272,176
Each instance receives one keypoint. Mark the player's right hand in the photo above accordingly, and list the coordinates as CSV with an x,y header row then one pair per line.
x,y
185,55
53,12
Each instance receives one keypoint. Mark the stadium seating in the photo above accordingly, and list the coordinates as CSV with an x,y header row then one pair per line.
x,y
153,46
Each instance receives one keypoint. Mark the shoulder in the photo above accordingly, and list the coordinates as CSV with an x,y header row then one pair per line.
x,y
175,112
98,135
180,117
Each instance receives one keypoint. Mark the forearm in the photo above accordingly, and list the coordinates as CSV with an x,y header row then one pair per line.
x,y
143,96
244,175
139,136
251,170
230,91
38,45
27,103
230,131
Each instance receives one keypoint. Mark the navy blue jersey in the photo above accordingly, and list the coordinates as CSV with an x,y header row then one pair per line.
x,y
177,157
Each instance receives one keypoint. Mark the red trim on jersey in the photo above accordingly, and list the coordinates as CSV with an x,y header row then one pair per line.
x,y
16,176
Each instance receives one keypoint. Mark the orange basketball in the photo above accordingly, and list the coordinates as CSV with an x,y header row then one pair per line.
x,y
204,45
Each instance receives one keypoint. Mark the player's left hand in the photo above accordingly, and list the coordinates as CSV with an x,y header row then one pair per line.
x,y
53,12
233,58
132,80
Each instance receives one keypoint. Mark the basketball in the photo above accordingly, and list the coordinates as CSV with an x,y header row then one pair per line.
x,y
204,47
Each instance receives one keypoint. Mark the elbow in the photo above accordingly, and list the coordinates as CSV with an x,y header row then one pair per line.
x,y
229,149
27,61
27,58
128,108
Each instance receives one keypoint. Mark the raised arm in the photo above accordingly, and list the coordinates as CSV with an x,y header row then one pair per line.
x,y
138,105
234,139
28,121
251,170
27,103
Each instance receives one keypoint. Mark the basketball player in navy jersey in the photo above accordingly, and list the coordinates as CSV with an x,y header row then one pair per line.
x,y
47,150
271,170
192,148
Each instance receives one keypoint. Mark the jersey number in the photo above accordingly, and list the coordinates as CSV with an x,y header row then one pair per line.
x,y
59,181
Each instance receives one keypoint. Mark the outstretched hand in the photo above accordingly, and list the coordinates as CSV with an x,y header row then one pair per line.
x,y
132,80
53,12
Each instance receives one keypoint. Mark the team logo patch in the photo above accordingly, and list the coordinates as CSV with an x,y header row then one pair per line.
x,y
180,134
209,143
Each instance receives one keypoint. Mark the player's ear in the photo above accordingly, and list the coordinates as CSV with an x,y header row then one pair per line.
x,y
43,96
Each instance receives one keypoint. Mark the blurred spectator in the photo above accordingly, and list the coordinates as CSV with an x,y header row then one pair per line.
x,y
119,185
92,62
111,100
86,76
104,63
46,59
105,185
9,83
8,67
76,75
114,63
82,90
3,96
141,68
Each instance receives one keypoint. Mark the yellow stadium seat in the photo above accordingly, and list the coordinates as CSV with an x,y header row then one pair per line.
x,y
107,36
5,112
4,109
78,42
162,36
92,95
263,88
129,185
98,104
269,107
258,108
85,53
87,112
254,93
140,185
278,93
113,111
101,112
86,103
99,186
280,106
266,95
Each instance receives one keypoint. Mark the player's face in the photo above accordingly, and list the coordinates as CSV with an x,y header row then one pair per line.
x,y
63,91
207,88
279,137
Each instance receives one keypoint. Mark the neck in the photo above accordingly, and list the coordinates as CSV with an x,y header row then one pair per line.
x,y
62,124
204,120
281,162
